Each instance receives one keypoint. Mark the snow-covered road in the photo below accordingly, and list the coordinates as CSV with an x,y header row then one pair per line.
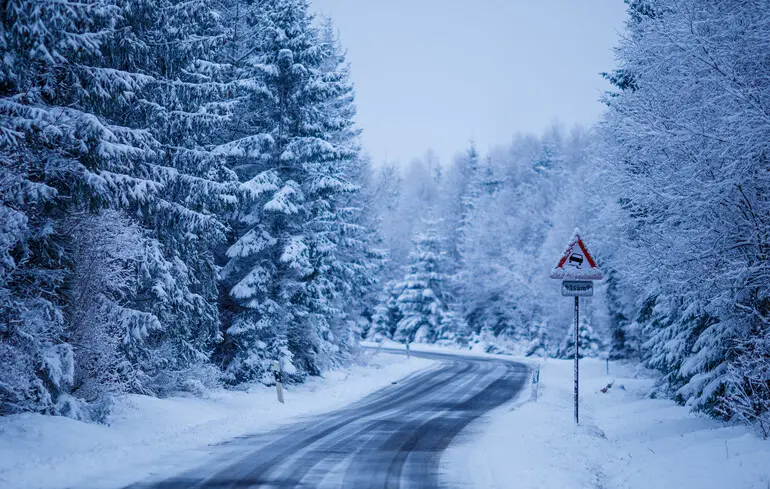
x,y
392,438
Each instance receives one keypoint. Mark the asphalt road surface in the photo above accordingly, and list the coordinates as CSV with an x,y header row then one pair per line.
x,y
391,439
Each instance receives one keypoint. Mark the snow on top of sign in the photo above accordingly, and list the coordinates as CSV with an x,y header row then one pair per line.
x,y
576,264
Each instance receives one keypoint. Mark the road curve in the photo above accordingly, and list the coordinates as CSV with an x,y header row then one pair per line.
x,y
391,439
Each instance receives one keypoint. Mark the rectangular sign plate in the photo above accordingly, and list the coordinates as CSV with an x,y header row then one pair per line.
x,y
577,288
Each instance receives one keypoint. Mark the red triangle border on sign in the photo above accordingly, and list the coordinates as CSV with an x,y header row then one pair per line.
x,y
585,252
593,272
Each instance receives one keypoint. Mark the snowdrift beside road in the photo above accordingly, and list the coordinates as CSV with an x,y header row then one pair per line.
x,y
625,440
149,436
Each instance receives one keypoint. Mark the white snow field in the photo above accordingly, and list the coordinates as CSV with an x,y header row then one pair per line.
x,y
625,440
148,436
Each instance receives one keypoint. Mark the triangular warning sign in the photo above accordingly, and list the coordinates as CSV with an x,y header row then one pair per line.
x,y
576,263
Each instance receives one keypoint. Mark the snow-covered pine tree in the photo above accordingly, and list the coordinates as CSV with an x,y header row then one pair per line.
x,y
387,313
100,105
360,256
749,373
181,105
538,344
460,190
480,280
418,189
107,334
361,248
293,142
623,344
58,156
424,298
387,194
589,344
500,238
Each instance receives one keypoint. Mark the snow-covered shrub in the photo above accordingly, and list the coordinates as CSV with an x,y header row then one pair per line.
x,y
106,333
588,343
747,397
538,346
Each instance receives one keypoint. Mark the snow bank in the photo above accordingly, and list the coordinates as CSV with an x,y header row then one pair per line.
x,y
149,436
509,351
625,440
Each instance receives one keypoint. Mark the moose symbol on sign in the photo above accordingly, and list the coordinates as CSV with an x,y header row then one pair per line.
x,y
576,260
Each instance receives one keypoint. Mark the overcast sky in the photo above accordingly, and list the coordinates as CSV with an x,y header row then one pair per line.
x,y
438,73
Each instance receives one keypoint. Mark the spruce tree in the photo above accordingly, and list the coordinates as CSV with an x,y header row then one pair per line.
x,y
623,344
287,269
387,313
104,105
423,302
184,106
57,156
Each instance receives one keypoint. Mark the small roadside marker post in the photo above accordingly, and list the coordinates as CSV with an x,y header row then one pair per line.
x,y
535,383
408,353
278,385
577,270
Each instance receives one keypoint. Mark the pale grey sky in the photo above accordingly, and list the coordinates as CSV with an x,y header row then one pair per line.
x,y
438,73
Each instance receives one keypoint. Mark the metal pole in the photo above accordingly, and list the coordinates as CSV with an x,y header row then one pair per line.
x,y
577,348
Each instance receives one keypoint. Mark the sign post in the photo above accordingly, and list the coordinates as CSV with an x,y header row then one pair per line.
x,y
577,358
577,270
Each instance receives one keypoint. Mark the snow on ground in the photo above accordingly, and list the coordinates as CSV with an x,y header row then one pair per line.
x,y
149,436
477,350
625,440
